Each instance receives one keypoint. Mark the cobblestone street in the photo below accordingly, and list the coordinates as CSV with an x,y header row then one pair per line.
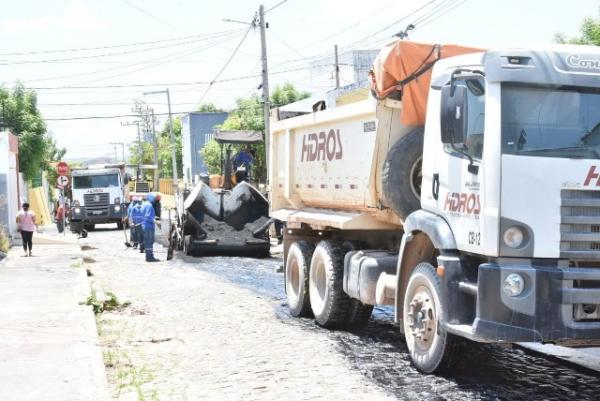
x,y
218,328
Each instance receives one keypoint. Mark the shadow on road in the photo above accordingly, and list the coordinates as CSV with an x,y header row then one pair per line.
x,y
486,372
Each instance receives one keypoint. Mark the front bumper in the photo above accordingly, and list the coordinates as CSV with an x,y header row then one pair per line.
x,y
544,312
103,214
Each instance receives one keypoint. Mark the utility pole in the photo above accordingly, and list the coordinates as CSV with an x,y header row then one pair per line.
x,y
140,151
337,68
265,83
155,143
122,149
171,137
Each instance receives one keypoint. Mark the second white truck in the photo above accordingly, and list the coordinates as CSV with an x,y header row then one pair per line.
x,y
465,193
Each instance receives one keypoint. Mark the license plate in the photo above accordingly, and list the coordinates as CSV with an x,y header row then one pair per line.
x,y
97,212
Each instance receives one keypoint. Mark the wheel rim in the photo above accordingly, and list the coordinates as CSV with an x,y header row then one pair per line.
x,y
293,279
318,286
416,177
422,318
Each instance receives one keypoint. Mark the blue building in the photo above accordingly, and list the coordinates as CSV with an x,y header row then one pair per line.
x,y
196,131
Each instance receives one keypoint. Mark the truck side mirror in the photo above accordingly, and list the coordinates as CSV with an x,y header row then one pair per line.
x,y
453,114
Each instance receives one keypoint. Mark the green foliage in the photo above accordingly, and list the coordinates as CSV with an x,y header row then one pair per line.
x,y
165,165
22,117
248,115
211,154
286,94
4,242
165,159
100,305
590,34
209,108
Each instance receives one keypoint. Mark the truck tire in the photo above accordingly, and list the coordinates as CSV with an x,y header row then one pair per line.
x,y
401,174
359,314
187,245
120,225
328,301
431,348
297,268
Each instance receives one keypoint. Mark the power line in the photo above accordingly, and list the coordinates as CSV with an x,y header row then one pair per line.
x,y
226,63
121,53
154,17
115,46
275,6
184,53
441,14
42,88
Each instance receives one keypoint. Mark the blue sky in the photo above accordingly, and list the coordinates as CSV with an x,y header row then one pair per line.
x,y
300,31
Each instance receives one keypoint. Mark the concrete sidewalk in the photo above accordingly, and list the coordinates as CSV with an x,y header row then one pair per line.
x,y
49,347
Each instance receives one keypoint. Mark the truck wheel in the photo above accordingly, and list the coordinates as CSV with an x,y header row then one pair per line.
x,y
187,245
358,314
297,267
431,348
120,225
402,174
328,301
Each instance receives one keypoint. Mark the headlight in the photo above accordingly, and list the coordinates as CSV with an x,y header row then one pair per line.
x,y
117,201
513,285
117,208
513,237
77,210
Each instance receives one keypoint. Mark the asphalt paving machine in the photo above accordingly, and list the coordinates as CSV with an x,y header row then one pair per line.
x,y
226,214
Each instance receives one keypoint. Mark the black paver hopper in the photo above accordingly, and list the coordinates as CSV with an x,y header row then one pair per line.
x,y
227,220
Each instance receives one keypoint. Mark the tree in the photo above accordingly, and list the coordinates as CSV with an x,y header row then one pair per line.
x,y
590,34
22,117
165,159
248,115
286,94
209,108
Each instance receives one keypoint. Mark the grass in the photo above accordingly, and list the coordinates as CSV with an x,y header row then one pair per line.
x,y
4,242
110,303
77,264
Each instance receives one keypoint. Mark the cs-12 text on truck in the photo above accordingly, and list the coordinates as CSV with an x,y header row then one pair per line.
x,y
465,192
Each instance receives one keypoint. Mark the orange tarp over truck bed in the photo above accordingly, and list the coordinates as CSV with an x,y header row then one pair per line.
x,y
406,67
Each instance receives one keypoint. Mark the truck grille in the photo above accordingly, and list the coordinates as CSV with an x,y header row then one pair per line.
x,y
142,187
580,225
95,200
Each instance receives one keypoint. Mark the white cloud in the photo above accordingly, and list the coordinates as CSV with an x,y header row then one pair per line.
x,y
74,17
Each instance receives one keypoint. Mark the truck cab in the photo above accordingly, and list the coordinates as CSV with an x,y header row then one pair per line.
x,y
97,198
512,142
482,221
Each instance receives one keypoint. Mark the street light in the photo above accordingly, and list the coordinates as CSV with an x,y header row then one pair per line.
x,y
171,136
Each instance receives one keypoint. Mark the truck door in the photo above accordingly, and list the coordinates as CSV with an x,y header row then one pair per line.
x,y
459,166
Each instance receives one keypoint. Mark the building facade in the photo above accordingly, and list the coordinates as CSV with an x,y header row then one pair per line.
x,y
196,131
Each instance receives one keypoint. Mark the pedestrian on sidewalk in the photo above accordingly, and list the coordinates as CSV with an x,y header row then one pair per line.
x,y
59,216
26,225
148,217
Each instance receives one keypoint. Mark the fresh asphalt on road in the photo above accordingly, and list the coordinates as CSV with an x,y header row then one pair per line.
x,y
377,353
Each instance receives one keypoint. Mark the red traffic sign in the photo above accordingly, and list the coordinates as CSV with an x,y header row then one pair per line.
x,y
62,181
62,168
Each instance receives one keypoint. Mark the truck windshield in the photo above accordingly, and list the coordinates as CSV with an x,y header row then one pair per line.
x,y
96,181
551,122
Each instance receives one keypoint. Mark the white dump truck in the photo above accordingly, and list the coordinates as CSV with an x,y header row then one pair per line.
x,y
99,196
465,193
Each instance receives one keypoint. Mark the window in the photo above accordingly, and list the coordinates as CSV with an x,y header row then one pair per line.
x,y
473,145
551,121
95,181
